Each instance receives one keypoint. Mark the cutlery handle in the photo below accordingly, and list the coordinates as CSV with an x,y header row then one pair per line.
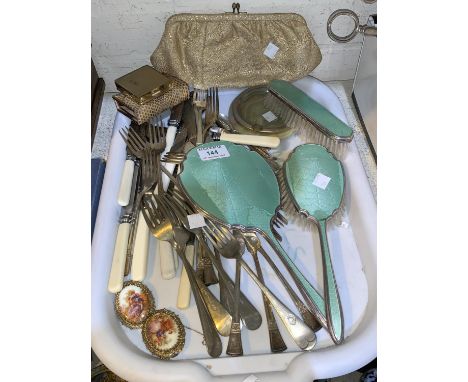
x,y
250,315
116,275
183,297
253,140
313,299
332,297
170,137
220,316
303,336
306,314
277,344
199,125
223,293
140,250
169,167
169,260
126,183
168,270
166,252
209,275
212,340
200,268
234,347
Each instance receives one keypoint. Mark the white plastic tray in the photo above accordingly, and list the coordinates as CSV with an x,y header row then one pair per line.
x,y
353,249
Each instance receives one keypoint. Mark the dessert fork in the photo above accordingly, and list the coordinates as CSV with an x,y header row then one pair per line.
x,y
199,101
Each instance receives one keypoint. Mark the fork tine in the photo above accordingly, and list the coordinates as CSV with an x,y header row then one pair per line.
x,y
148,218
178,197
136,150
136,136
156,135
150,205
149,209
177,210
124,136
151,134
215,232
213,241
165,208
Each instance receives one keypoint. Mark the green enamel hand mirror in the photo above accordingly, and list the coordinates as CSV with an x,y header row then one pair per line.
x,y
237,187
315,181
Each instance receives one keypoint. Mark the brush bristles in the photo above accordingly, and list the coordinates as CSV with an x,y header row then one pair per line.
x,y
294,216
304,128
287,205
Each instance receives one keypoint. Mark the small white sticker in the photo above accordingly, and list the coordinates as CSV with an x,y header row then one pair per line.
x,y
196,221
321,181
213,152
269,116
251,378
271,50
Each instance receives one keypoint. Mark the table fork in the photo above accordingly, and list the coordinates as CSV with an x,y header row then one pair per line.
x,y
133,141
212,109
154,145
199,102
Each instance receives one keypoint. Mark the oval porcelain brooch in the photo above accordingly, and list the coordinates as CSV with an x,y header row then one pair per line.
x,y
163,334
133,304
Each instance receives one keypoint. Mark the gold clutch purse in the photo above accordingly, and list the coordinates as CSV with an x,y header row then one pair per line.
x,y
177,92
236,50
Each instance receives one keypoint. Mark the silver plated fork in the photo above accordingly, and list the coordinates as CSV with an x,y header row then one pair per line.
x,y
212,109
199,101
134,142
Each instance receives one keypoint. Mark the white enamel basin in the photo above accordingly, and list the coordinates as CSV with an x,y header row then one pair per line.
x,y
353,247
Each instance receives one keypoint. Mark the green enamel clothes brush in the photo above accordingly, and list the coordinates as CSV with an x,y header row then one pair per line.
x,y
311,120
313,182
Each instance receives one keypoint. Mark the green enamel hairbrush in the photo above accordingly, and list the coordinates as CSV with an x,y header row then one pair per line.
x,y
311,120
313,180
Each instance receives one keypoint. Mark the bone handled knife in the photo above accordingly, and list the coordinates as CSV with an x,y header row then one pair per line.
x,y
124,236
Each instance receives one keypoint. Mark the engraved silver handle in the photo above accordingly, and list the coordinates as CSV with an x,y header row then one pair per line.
x,y
210,334
303,336
277,344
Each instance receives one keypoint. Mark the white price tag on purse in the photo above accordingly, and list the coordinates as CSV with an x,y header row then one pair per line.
x,y
271,50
